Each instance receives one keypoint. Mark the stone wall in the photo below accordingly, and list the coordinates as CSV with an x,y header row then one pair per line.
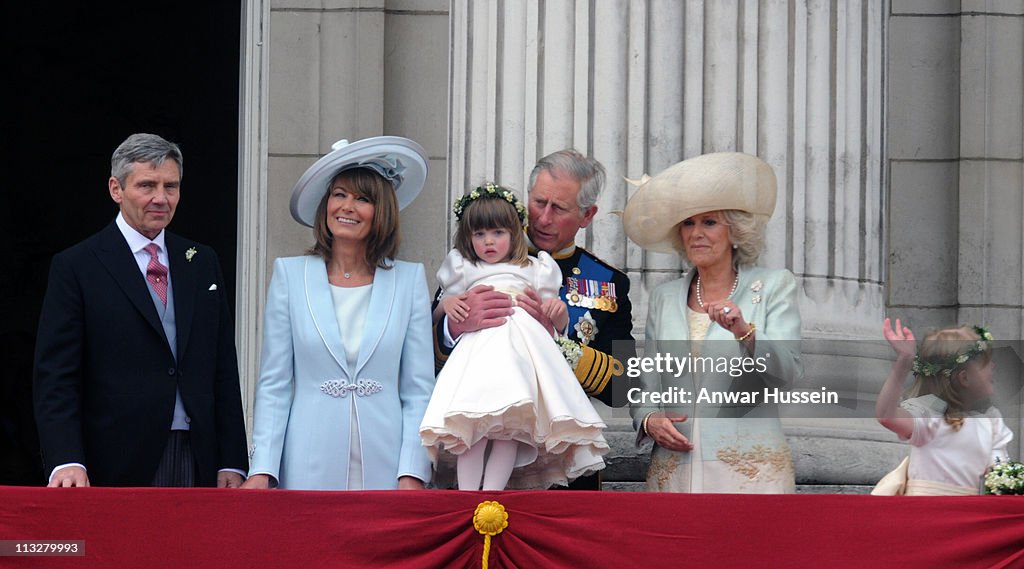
x,y
956,162
894,126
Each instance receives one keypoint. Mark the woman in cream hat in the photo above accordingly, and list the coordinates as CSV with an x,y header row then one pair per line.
x,y
347,365
734,326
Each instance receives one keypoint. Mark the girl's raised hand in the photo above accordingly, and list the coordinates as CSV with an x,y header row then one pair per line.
x,y
900,338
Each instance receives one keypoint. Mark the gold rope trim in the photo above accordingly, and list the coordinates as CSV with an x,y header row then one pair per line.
x,y
595,370
489,519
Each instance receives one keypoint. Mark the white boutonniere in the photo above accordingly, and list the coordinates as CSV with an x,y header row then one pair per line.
x,y
189,253
756,287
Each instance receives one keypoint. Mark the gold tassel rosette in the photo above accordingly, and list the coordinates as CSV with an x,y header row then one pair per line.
x,y
489,519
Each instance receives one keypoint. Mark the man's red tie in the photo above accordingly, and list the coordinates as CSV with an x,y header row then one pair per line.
x,y
156,273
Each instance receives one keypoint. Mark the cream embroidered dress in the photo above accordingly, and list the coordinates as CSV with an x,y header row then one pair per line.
x,y
511,382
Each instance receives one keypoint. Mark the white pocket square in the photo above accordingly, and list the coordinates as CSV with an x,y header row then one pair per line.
x,y
212,287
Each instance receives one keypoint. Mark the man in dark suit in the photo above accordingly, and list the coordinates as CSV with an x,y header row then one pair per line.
x,y
136,377
562,199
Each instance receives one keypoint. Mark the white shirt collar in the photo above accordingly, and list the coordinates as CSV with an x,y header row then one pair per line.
x,y
557,255
137,241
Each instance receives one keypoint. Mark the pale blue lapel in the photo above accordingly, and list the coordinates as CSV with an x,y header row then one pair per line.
x,y
681,300
744,297
382,301
321,310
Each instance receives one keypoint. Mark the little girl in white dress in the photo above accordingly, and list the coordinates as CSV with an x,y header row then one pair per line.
x,y
955,434
508,385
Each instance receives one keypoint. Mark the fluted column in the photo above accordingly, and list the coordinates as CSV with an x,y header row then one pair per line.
x,y
991,181
990,284
642,84
314,72
797,82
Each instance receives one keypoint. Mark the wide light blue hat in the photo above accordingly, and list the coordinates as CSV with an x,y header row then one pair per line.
x,y
401,161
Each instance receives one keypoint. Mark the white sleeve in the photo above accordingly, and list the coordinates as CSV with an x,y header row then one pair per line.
x,y
451,276
547,277
926,423
1001,437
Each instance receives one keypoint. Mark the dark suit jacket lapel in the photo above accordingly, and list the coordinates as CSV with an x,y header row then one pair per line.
x,y
680,304
118,259
183,280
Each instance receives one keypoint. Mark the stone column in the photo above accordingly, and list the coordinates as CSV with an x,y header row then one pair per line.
x,y
313,73
798,83
990,288
991,177
251,281
642,84
957,169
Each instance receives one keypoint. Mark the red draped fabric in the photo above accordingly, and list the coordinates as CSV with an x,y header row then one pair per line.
x,y
156,528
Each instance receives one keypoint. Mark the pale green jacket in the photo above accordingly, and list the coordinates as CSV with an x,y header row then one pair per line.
x,y
766,297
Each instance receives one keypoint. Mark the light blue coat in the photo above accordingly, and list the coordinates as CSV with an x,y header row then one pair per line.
x,y
301,435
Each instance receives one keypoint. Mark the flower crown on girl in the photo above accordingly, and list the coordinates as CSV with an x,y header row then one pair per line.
x,y
946,365
490,190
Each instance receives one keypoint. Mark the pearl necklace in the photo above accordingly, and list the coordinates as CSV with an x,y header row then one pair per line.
x,y
735,284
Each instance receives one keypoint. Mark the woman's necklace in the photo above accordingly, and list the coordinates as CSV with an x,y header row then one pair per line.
x,y
735,283
345,274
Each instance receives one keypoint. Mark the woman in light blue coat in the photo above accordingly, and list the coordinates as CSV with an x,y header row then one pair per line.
x,y
734,329
347,363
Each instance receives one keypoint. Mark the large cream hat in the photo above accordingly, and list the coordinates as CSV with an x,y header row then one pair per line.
x,y
710,182
401,161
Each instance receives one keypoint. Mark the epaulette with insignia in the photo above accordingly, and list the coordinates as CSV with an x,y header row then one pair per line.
x,y
601,261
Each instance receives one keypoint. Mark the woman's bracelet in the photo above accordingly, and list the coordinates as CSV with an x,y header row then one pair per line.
x,y
753,328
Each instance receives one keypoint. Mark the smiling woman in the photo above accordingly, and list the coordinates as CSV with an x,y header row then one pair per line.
x,y
356,226
341,392
349,212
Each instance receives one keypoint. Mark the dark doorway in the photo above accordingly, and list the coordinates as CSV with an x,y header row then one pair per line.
x,y
79,78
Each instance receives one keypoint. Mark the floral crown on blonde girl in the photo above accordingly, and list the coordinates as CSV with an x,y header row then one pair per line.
x,y
945,366
490,190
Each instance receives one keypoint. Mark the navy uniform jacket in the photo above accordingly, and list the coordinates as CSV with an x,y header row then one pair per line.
x,y
595,372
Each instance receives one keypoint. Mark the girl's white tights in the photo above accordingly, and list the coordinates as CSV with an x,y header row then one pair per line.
x,y
501,461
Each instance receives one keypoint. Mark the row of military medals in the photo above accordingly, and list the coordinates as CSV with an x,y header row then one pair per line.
x,y
587,293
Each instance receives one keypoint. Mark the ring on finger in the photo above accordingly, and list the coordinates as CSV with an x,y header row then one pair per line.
x,y
727,309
